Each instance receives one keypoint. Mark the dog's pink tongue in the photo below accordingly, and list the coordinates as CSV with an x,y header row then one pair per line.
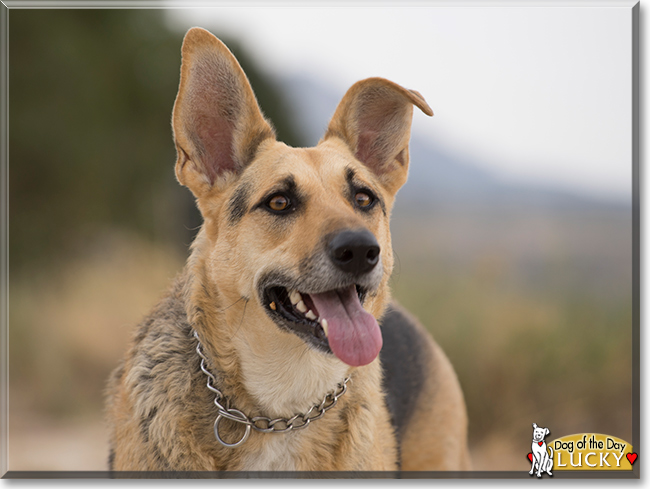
x,y
354,335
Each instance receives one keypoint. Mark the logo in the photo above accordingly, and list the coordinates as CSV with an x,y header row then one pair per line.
x,y
584,451
541,456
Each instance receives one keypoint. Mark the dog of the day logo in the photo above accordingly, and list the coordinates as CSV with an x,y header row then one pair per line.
x,y
583,451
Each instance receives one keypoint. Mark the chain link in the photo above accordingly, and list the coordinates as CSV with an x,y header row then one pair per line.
x,y
263,424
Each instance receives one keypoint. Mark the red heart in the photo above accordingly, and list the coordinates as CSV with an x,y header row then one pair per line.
x,y
540,443
631,457
530,457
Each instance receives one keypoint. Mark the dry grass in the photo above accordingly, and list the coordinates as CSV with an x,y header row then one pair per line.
x,y
67,332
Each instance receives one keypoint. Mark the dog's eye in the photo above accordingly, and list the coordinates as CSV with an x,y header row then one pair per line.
x,y
362,199
279,203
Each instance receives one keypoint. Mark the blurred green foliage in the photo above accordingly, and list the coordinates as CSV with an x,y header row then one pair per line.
x,y
91,94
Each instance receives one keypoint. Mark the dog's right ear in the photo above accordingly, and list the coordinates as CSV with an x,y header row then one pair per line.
x,y
218,125
535,425
374,120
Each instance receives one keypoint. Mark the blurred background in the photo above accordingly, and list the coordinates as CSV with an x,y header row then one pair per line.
x,y
513,235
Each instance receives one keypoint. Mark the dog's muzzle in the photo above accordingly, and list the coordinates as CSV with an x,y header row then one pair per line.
x,y
324,306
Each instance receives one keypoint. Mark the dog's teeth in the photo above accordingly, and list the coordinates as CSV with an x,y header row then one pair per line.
x,y
295,297
310,314
301,306
323,323
272,305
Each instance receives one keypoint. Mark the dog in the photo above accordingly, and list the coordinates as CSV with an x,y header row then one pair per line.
x,y
542,459
267,352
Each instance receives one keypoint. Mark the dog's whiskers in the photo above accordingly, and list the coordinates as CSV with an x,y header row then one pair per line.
x,y
237,301
241,321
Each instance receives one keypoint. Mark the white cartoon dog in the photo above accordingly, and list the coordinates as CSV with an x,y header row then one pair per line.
x,y
541,458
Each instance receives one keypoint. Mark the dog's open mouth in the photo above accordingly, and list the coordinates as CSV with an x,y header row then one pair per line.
x,y
332,321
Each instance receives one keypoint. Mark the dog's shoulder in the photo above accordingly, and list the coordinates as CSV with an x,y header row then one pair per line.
x,y
163,347
161,363
155,390
405,356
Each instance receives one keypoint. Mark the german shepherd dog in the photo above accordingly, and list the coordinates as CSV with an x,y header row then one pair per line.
x,y
278,347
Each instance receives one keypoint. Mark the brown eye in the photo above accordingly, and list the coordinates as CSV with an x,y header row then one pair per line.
x,y
363,199
279,203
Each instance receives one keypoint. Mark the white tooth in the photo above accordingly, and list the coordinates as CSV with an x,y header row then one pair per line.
x,y
310,314
295,297
301,306
323,323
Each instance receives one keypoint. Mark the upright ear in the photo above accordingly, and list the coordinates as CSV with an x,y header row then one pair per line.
x,y
374,120
535,425
217,122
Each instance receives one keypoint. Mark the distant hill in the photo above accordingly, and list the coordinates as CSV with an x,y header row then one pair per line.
x,y
437,177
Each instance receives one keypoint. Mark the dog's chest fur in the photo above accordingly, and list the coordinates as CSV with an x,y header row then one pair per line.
x,y
291,383
277,453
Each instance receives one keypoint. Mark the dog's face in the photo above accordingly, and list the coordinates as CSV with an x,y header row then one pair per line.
x,y
539,433
301,233
310,243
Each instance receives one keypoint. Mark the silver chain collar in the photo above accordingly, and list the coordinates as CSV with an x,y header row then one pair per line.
x,y
263,424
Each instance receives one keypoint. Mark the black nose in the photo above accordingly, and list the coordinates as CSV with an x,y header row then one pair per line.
x,y
354,251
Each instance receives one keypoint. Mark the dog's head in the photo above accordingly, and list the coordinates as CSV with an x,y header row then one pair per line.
x,y
303,233
539,433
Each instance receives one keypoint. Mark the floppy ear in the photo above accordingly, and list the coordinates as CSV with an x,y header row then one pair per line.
x,y
546,431
374,120
217,122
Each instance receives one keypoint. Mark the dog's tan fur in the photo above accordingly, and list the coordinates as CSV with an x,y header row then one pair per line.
x,y
160,411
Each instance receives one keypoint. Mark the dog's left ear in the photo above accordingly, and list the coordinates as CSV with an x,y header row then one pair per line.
x,y
217,122
546,431
374,120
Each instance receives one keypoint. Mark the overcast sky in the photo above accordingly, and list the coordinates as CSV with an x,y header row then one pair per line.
x,y
534,93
